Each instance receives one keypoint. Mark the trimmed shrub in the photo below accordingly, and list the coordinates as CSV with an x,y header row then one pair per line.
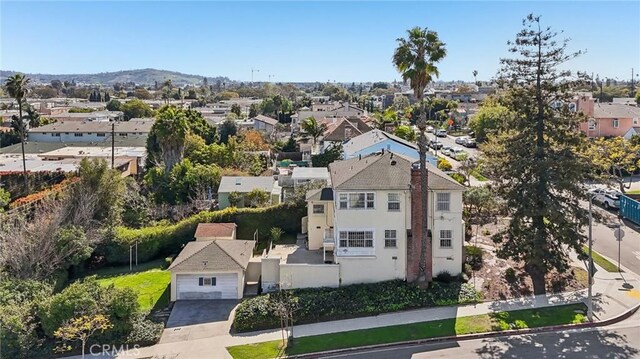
x,y
358,300
444,277
510,275
473,256
166,239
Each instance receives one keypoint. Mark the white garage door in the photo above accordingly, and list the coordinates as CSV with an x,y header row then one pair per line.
x,y
207,286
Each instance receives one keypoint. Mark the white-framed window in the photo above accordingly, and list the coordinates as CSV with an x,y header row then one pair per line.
x,y
318,208
77,134
356,239
357,200
616,123
444,200
390,238
55,134
592,124
207,281
393,202
446,238
100,134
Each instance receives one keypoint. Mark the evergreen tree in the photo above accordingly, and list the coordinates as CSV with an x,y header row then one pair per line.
x,y
537,157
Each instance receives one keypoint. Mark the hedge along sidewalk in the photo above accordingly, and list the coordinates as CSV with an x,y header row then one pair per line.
x,y
500,321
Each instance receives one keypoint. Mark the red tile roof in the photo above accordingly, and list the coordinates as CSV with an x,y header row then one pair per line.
x,y
206,230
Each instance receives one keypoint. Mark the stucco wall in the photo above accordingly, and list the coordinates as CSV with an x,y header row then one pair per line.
x,y
309,275
254,269
270,271
317,223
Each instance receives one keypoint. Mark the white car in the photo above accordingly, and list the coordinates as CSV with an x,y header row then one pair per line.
x,y
457,153
430,129
608,198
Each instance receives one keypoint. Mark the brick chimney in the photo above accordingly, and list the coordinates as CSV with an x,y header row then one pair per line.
x,y
414,242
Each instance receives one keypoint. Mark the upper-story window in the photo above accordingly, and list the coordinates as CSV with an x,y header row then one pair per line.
x,y
616,123
318,208
393,202
444,201
358,200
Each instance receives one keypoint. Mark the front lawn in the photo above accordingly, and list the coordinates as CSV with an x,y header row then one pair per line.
x,y
149,280
601,261
527,318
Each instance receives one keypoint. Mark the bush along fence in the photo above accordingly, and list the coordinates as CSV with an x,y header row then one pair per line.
x,y
161,240
352,301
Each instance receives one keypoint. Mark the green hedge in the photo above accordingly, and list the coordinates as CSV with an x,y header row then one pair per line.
x,y
162,240
359,300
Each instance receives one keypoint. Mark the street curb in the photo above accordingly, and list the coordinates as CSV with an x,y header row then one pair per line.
x,y
628,313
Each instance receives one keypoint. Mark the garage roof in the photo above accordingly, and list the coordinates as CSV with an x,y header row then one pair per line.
x,y
214,255
205,230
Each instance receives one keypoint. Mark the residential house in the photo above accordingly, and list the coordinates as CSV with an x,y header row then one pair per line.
x,y
339,130
89,131
213,231
326,110
607,119
377,140
294,177
244,185
211,269
264,124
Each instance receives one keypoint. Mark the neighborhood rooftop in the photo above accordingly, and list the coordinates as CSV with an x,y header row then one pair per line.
x,y
230,184
141,126
205,230
214,255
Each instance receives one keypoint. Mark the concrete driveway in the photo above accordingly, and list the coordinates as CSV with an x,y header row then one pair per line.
x,y
197,319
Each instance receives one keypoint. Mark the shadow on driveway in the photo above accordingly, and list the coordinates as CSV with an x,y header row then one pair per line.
x,y
193,312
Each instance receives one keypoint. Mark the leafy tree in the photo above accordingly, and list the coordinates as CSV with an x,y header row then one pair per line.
x,y
257,198
114,105
290,146
400,103
80,110
475,76
5,198
235,198
235,108
331,154
167,136
638,97
226,95
198,125
81,329
614,157
479,205
227,129
17,86
537,160
488,119
136,109
142,94
313,128
405,132
254,110
415,58
253,141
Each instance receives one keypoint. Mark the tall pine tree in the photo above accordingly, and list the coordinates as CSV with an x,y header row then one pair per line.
x,y
537,159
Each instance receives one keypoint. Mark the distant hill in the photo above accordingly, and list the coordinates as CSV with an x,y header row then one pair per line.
x,y
140,77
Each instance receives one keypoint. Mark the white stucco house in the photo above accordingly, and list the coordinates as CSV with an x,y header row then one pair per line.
x,y
90,131
246,184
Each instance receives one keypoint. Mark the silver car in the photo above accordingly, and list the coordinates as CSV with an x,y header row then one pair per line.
x,y
608,198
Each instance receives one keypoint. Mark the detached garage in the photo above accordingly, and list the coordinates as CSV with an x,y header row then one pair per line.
x,y
211,270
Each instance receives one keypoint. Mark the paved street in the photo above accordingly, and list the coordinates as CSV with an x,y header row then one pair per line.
x,y
604,241
620,341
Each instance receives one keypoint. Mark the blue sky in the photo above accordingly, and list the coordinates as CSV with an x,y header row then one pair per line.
x,y
300,41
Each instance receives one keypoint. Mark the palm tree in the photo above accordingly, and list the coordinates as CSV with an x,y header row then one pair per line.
x,y
415,59
170,131
475,79
313,128
17,87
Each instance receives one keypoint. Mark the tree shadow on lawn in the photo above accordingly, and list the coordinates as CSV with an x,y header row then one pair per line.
x,y
116,271
592,344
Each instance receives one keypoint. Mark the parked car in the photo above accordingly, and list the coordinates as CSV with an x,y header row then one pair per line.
x,y
435,144
470,143
461,140
446,150
441,133
457,153
430,129
608,198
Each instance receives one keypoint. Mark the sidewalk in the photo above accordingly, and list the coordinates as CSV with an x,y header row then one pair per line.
x,y
613,294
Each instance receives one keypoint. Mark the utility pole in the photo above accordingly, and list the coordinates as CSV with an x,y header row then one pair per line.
x,y
633,85
252,71
113,144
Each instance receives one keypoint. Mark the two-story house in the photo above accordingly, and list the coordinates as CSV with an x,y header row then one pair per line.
x,y
369,221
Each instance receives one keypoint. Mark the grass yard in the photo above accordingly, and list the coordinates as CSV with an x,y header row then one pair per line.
x,y
479,176
601,261
633,191
150,280
528,318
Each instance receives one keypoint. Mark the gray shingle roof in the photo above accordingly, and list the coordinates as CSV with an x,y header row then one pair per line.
x,y
266,119
615,110
138,126
214,255
230,184
377,172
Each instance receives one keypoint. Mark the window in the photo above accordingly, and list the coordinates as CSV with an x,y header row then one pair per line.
x,y
616,123
393,202
122,134
592,124
100,134
207,281
56,134
359,200
635,121
77,134
443,201
357,239
446,237
347,133
390,238
318,208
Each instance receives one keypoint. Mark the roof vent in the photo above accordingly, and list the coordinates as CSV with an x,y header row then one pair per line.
x,y
204,263
238,181
393,162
